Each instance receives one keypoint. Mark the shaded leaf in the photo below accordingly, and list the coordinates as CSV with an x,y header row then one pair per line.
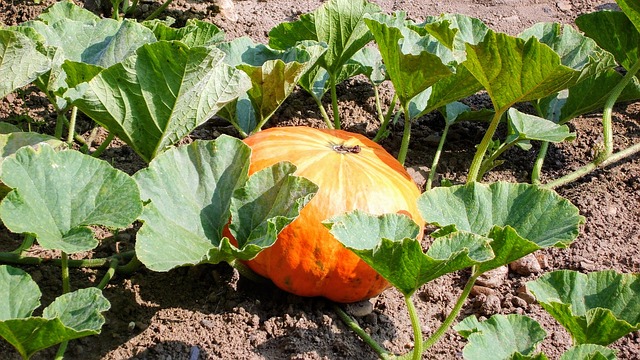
x,y
20,295
596,308
501,337
57,195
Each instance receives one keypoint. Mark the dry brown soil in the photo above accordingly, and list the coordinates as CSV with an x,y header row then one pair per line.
x,y
209,312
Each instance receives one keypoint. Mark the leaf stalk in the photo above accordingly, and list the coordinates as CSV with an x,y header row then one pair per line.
x,y
476,164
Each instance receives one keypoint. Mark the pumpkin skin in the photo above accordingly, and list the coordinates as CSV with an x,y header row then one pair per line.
x,y
352,172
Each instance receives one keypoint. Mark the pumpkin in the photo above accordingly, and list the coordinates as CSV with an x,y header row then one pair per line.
x,y
352,172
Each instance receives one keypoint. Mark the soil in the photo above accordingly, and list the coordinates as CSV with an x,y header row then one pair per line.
x,y
210,312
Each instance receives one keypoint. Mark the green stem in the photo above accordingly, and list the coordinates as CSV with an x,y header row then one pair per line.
x,y
406,136
607,123
382,131
537,165
60,121
72,125
448,321
436,158
474,170
65,273
355,327
159,10
103,146
487,164
376,96
132,266
575,175
26,244
61,350
334,101
417,329
113,264
323,112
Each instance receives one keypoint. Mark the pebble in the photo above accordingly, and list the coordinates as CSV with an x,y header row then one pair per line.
x,y
526,295
490,305
419,174
526,265
564,5
478,289
360,308
493,278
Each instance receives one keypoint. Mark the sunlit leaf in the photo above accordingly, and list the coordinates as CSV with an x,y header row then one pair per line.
x,y
20,61
596,308
57,195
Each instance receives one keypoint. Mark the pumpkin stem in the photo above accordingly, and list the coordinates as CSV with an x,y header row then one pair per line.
x,y
345,149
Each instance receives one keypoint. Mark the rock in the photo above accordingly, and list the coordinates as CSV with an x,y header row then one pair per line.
x,y
489,305
360,308
227,10
564,5
419,174
478,289
526,265
493,278
526,295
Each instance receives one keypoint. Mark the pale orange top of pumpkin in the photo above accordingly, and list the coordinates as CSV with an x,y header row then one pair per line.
x,y
352,172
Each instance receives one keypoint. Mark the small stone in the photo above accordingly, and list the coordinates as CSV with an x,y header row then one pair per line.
x,y
490,305
478,289
419,174
526,265
493,278
519,302
564,5
207,323
543,260
360,308
526,295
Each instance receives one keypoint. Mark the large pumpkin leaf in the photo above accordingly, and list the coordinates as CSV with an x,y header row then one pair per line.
x,y
57,195
194,33
413,61
596,308
71,33
20,61
12,141
612,30
518,218
192,191
70,316
632,10
274,75
338,23
384,242
500,58
501,337
156,97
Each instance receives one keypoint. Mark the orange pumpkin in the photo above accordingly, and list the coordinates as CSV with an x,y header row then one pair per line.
x,y
352,172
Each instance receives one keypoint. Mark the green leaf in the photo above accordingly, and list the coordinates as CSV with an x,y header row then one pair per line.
x,y
20,295
274,75
632,10
519,218
192,192
57,195
156,97
413,62
500,58
501,337
270,200
194,33
13,141
589,352
372,66
388,244
611,30
70,316
66,10
529,127
596,308
20,61
338,23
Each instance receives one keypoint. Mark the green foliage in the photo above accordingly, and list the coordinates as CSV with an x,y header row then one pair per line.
x,y
194,190
20,61
70,316
80,191
596,308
